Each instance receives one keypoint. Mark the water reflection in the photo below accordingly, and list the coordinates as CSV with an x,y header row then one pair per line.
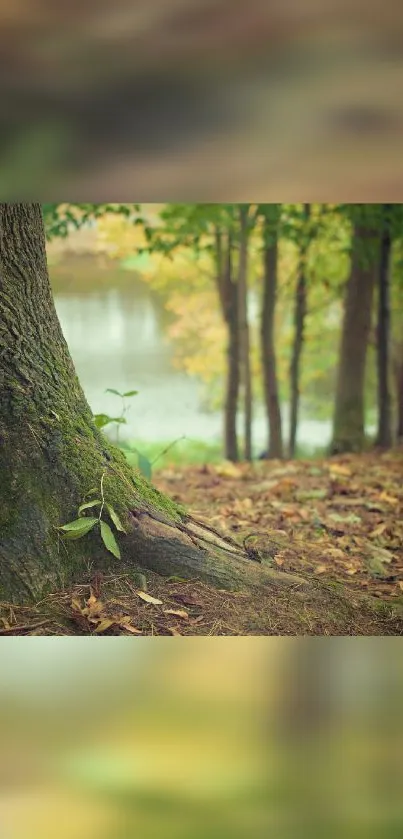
x,y
116,333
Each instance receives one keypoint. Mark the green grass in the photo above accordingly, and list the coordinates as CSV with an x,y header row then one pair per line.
x,y
184,452
188,452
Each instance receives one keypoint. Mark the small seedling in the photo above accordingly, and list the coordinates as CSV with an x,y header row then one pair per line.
x,y
84,524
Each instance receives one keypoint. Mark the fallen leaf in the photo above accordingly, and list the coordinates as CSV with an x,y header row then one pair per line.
x,y
227,470
389,499
180,613
186,599
172,630
336,553
378,530
401,584
148,598
130,628
321,569
104,625
76,605
375,560
338,469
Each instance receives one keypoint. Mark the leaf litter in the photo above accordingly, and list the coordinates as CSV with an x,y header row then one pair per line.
x,y
338,522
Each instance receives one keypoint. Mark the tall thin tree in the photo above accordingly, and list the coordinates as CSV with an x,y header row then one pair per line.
x,y
299,324
384,434
271,217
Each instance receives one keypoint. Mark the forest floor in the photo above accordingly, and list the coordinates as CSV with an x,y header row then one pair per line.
x,y
338,522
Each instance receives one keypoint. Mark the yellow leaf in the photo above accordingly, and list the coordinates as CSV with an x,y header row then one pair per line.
x,y
401,584
76,605
148,598
321,569
379,530
104,625
179,612
338,469
227,470
390,499
336,552
91,600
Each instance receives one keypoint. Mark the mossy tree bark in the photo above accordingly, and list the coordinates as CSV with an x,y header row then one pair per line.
x,y
51,453
349,414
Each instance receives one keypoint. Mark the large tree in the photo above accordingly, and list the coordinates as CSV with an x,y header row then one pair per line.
x,y
52,454
384,435
349,413
271,217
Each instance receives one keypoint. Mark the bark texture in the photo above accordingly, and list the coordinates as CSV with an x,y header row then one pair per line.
x,y
384,434
244,337
349,415
51,454
275,437
228,296
299,324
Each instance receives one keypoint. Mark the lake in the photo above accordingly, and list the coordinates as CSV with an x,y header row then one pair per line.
x,y
116,330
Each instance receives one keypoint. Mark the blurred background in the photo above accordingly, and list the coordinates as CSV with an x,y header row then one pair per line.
x,y
229,738
207,99
146,315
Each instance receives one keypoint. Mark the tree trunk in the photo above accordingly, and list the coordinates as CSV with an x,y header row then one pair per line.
x,y
398,373
349,415
275,438
228,296
244,341
384,435
299,323
52,454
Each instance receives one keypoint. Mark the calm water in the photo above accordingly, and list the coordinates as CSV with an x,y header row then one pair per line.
x,y
117,338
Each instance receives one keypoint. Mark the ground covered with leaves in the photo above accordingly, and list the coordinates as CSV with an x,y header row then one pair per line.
x,y
338,522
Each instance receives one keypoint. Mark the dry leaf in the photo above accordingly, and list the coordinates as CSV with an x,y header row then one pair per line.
x,y
338,469
401,584
389,499
227,470
76,605
321,569
379,530
130,628
180,613
104,625
336,553
148,598
172,630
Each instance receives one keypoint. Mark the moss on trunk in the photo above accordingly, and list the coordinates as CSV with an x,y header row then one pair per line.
x,y
52,455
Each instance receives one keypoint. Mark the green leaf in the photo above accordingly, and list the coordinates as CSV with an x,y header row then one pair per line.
x,y
112,390
88,504
115,518
103,419
78,528
130,393
144,466
109,540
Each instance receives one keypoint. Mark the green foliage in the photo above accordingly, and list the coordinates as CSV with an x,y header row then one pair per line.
x,y
61,219
84,524
101,420
108,539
